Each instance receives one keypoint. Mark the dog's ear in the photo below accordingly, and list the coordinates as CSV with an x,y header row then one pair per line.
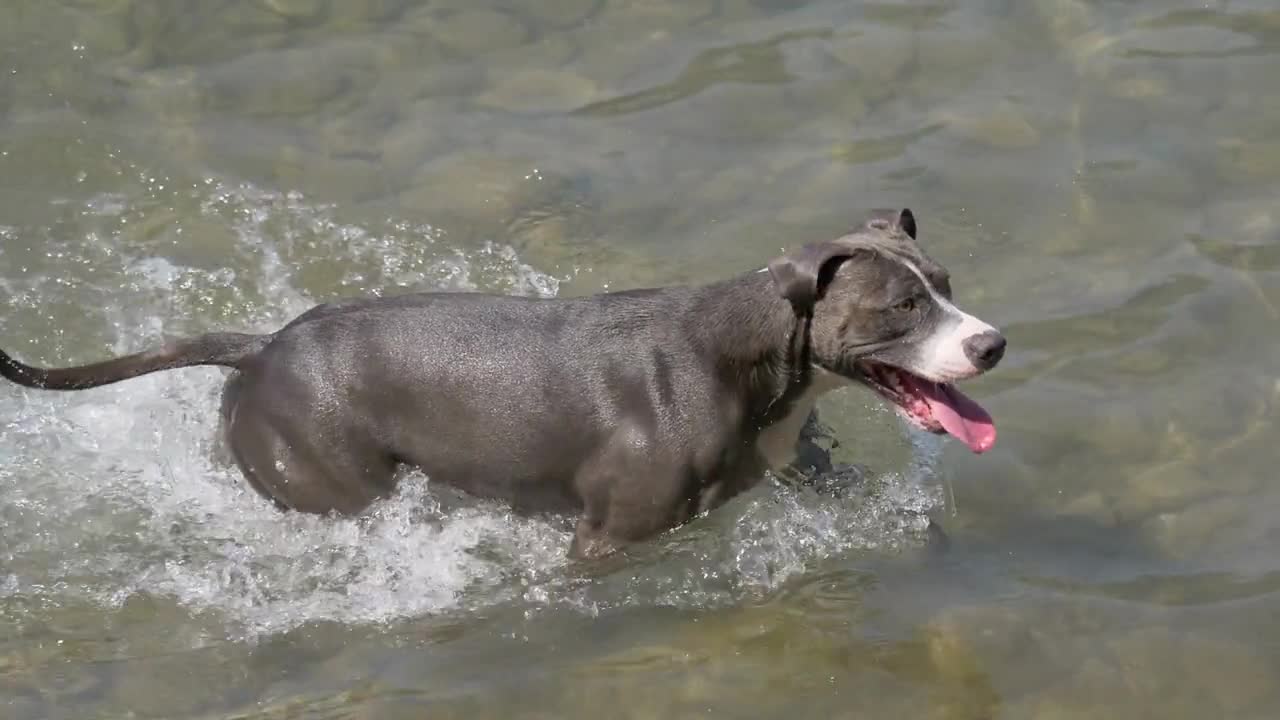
x,y
801,276
903,220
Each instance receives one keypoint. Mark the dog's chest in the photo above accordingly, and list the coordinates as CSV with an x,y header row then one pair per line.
x,y
777,442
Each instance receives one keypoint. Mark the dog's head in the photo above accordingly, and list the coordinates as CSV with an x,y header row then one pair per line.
x,y
880,313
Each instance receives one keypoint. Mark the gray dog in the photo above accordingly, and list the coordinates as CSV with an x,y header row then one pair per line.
x,y
635,410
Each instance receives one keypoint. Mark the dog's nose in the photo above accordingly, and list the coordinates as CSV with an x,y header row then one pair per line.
x,y
984,350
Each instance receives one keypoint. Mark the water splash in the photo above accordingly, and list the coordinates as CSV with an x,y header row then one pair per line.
x,y
122,490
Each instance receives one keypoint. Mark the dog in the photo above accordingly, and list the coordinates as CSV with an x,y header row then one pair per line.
x,y
636,411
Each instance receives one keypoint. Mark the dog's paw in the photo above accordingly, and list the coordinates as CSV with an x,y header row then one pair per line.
x,y
834,480
841,481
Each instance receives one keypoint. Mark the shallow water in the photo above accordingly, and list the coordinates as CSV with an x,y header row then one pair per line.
x,y
1100,178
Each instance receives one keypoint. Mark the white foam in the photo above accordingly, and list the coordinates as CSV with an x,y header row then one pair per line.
x,y
119,491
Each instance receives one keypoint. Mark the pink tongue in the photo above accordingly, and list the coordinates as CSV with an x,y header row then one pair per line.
x,y
959,415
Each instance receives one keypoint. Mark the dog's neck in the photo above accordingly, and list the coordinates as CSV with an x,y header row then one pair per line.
x,y
762,345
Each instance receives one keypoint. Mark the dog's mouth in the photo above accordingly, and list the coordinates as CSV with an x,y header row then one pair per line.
x,y
936,407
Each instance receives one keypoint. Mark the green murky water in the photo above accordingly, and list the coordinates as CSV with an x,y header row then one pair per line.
x,y
1101,179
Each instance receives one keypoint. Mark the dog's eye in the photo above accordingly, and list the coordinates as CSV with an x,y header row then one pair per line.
x,y
906,306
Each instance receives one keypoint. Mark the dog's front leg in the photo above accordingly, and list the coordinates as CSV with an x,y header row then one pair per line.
x,y
813,467
813,452
628,496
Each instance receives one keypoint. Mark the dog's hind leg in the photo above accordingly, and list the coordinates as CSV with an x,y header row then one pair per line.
x,y
223,447
306,471
590,542
226,411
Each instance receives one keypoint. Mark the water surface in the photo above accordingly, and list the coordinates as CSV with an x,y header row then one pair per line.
x,y
1100,178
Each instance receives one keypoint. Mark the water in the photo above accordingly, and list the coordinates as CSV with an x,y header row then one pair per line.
x,y
1100,178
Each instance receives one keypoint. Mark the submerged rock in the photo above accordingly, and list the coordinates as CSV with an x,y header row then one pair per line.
x,y
474,184
473,32
1004,126
1247,160
1157,665
534,90
297,9
561,13
875,58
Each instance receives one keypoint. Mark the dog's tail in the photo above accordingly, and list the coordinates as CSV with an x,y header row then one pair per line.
x,y
223,349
